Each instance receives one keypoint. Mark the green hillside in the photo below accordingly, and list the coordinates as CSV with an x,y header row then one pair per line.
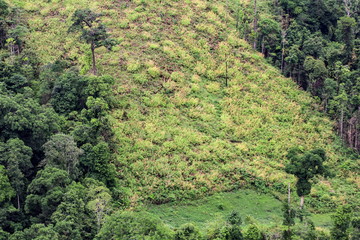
x,y
198,111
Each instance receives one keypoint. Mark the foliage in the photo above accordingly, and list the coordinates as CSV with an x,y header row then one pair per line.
x,y
305,167
61,152
188,232
342,221
253,233
133,225
92,31
45,192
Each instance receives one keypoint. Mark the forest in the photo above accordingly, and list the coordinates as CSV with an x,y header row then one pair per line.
x,y
118,117
316,43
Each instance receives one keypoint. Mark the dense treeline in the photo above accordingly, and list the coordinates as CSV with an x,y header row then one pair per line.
x,y
55,143
317,44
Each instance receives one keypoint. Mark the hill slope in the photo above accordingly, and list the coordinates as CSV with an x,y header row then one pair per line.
x,y
181,132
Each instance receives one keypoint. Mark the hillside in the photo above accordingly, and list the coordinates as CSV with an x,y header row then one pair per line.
x,y
198,111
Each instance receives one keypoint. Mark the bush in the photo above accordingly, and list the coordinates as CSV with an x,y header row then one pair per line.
x,y
187,232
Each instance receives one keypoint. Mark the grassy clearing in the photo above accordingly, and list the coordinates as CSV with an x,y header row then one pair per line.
x,y
263,208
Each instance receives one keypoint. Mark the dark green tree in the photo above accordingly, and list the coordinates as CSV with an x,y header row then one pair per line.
x,y
355,223
188,232
16,157
317,72
253,233
231,229
92,31
6,207
4,11
45,193
269,35
36,232
342,221
23,117
134,225
289,220
96,163
305,166
68,92
346,35
73,220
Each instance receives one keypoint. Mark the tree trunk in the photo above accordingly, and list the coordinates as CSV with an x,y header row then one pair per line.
x,y
94,70
289,191
341,122
284,27
298,76
18,201
347,4
226,72
302,202
255,23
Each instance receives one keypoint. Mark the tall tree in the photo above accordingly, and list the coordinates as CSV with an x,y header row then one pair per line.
x,y
61,152
255,23
16,157
92,31
345,33
4,11
305,167
342,220
45,193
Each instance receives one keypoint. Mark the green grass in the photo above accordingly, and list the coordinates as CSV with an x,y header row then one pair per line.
x,y
263,208
322,220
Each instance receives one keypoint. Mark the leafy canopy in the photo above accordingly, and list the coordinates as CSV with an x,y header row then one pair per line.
x,y
305,166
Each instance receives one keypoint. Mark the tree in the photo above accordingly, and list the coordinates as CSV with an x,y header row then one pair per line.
x,y
355,223
61,152
187,232
23,117
345,34
342,220
46,192
305,167
99,200
68,92
133,225
4,11
6,191
16,157
253,233
92,31
6,208
72,218
289,220
36,232
317,71
96,163
269,33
